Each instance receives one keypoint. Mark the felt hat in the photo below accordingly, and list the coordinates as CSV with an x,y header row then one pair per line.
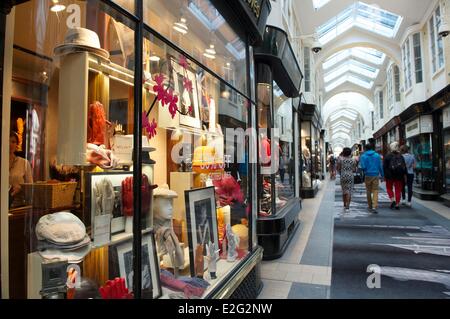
x,y
164,191
79,40
62,228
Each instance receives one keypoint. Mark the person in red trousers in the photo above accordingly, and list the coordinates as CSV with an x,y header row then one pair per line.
x,y
395,174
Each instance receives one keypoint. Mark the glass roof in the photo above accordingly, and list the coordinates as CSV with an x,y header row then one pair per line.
x,y
341,124
353,115
360,15
319,3
370,55
350,77
353,66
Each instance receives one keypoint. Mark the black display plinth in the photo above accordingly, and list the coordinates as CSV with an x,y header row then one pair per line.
x,y
426,195
275,232
309,192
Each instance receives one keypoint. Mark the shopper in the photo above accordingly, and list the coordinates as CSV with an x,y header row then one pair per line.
x,y
20,172
372,166
332,166
395,173
410,162
346,167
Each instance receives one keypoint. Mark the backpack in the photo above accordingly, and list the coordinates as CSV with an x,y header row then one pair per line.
x,y
397,165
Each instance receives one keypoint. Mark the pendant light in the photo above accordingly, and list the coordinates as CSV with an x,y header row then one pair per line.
x,y
57,7
210,53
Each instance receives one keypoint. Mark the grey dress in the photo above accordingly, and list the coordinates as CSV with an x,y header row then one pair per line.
x,y
347,166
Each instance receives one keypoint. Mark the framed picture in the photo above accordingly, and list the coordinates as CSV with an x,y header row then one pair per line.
x,y
186,98
121,265
95,180
201,221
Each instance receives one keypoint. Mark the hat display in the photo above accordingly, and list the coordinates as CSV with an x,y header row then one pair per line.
x,y
81,40
62,236
164,191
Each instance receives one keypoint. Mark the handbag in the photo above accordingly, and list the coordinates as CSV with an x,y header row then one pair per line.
x,y
358,177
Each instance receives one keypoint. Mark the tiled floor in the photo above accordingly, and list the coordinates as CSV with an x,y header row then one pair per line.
x,y
304,270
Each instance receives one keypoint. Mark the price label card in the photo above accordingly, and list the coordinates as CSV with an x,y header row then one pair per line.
x,y
102,229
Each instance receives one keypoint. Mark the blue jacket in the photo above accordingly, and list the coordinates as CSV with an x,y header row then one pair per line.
x,y
371,164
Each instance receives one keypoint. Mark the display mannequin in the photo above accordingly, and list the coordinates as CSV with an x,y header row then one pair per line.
x,y
306,175
167,241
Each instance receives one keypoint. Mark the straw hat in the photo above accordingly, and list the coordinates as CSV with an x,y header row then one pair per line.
x,y
79,40
164,191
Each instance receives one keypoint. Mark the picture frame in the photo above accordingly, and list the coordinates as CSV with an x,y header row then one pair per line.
x,y
201,216
186,98
121,264
116,178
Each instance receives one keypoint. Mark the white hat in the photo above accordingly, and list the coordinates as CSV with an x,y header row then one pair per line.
x,y
81,39
164,191
61,228
72,256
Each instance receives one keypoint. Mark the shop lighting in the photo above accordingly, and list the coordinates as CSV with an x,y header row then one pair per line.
x,y
154,58
57,7
210,52
181,26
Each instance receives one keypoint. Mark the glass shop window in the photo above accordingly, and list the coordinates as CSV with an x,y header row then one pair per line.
x,y
198,157
421,148
71,199
306,155
198,28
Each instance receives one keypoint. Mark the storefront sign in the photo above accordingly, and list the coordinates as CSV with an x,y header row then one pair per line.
x,y
426,124
421,125
413,128
446,117
255,6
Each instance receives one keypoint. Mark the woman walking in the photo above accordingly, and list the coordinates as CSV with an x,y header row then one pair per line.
x,y
395,173
346,167
410,167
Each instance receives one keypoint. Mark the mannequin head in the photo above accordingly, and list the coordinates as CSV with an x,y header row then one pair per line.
x,y
163,205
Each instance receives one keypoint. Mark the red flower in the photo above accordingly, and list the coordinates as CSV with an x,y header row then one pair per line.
x,y
183,61
159,88
187,84
228,190
191,109
168,97
173,107
152,129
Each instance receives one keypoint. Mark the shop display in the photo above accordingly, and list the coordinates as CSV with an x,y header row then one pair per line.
x,y
81,39
115,289
232,244
202,224
212,255
96,124
62,236
169,248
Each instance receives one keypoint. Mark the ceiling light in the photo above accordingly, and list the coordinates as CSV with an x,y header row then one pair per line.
x,y
210,52
57,7
154,58
181,26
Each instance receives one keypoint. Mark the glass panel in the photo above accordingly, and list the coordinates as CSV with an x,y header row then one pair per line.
x,y
417,58
199,29
352,66
307,62
306,155
447,158
129,5
196,127
360,15
284,178
71,188
421,148
266,191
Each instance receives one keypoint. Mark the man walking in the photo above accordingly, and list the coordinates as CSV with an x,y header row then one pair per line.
x,y
372,167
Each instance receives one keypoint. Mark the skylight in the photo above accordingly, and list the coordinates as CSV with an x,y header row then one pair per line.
x,y
360,15
341,124
367,54
353,66
350,77
352,115
319,3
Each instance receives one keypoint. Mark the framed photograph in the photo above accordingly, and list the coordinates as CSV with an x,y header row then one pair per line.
x,y
121,265
201,221
94,181
186,98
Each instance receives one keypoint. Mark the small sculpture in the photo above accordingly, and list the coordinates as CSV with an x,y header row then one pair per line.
x,y
233,244
212,256
199,261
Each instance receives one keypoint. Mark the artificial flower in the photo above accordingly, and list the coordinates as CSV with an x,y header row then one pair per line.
x,y
182,61
173,107
187,84
159,88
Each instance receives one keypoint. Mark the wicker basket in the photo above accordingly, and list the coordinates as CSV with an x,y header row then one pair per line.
x,y
50,195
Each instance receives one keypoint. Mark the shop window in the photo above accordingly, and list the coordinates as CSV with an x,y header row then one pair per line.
x,y
421,148
406,53
128,5
447,158
436,42
196,126
381,104
307,156
397,83
199,30
417,58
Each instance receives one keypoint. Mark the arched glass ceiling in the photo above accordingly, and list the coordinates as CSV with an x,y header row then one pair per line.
x,y
348,113
352,78
370,55
360,15
353,66
317,4
341,124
